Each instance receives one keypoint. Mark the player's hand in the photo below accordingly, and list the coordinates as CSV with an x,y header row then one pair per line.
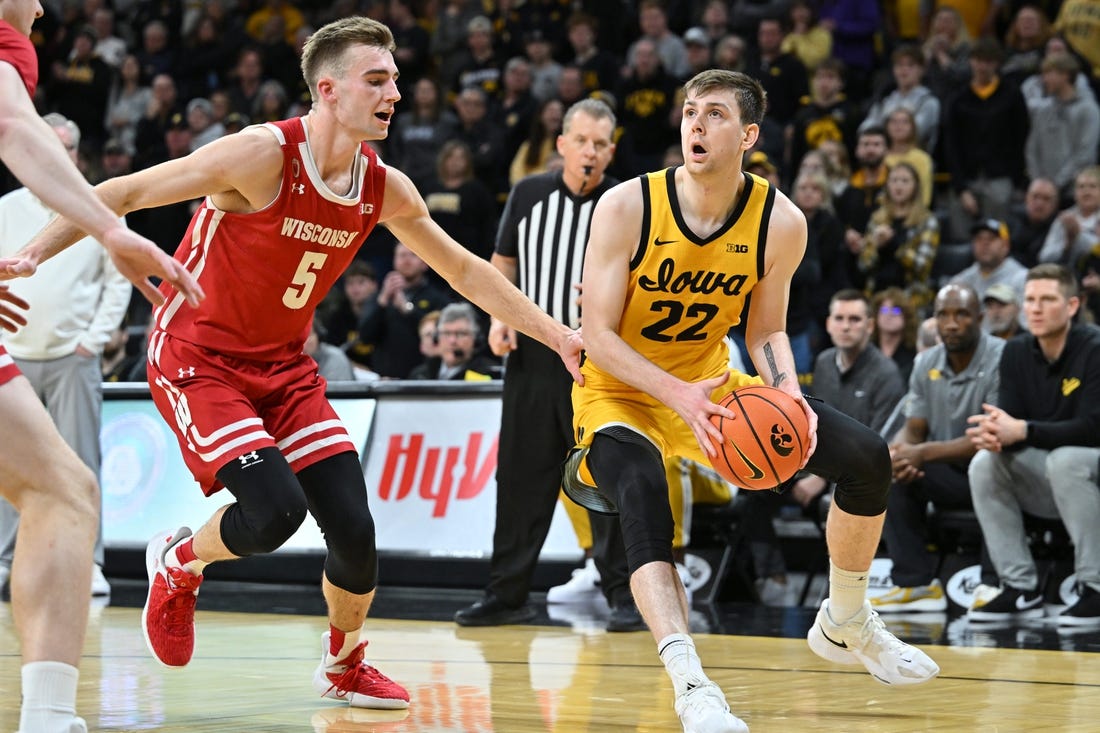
x,y
969,203
502,338
692,402
138,259
18,265
570,346
811,425
10,306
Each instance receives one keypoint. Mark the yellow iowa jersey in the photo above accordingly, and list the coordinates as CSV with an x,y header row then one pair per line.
x,y
686,292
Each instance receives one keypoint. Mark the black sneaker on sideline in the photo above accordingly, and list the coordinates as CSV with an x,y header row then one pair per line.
x,y
1086,612
491,611
1011,604
625,617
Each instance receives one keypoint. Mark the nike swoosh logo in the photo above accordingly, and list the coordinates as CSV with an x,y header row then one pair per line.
x,y
1023,604
840,644
658,242
756,472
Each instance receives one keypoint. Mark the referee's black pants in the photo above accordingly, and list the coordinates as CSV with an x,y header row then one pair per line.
x,y
536,433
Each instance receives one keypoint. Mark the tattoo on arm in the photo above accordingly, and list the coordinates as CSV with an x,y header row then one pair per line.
x,y
777,376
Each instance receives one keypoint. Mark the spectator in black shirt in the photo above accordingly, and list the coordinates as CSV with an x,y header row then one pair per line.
x,y
485,139
985,128
1039,450
825,114
856,202
1030,223
389,329
647,99
460,203
781,74
412,40
599,68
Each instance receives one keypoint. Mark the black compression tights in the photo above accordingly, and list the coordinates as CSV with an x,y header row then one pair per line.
x,y
632,474
272,503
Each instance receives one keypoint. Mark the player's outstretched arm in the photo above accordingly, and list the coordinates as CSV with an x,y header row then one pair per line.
x,y
766,328
613,238
35,155
405,214
237,166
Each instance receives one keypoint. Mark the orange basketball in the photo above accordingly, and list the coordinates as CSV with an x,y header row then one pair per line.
x,y
764,446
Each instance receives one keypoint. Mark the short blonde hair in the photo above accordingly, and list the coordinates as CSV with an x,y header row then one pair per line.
x,y
325,51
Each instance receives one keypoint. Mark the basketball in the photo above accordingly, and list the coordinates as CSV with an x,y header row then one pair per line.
x,y
765,445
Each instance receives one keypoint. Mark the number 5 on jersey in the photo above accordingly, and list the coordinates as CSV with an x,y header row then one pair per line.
x,y
297,295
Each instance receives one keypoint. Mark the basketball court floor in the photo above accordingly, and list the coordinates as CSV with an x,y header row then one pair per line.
x,y
258,645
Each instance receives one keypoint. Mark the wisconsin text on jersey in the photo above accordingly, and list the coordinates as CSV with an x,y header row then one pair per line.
x,y
308,231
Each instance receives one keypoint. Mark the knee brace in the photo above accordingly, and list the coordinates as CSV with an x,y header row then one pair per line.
x,y
270,504
337,496
629,468
863,489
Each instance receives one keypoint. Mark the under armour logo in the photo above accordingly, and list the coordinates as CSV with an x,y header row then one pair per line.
x,y
250,459
186,372
298,187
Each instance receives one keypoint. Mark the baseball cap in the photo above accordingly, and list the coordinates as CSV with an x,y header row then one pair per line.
x,y
114,146
696,36
236,121
201,103
479,24
177,122
760,158
996,226
1001,292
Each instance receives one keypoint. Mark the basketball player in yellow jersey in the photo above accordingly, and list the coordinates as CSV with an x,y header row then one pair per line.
x,y
671,258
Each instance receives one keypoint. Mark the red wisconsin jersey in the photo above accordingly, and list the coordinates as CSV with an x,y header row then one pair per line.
x,y
265,272
17,50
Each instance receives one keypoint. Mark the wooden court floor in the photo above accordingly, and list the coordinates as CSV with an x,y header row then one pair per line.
x,y
252,672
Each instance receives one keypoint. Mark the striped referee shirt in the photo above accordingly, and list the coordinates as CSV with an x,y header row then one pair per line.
x,y
545,228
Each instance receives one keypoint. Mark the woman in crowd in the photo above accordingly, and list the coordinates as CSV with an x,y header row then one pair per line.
x,y
901,240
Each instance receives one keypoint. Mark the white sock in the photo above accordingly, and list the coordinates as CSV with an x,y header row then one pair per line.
x,y
340,645
49,697
182,555
847,592
685,669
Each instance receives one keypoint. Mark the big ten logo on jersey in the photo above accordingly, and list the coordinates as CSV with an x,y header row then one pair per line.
x,y
739,249
432,469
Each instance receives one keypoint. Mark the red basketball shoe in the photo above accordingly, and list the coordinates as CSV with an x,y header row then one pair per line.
x,y
360,684
168,618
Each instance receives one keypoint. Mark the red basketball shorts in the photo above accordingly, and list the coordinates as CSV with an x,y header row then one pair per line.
x,y
222,408
8,369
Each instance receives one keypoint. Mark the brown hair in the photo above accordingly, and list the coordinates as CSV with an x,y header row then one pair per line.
x,y
918,212
901,299
1067,281
751,97
325,51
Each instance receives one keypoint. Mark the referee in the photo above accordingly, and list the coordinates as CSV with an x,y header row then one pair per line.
x,y
540,247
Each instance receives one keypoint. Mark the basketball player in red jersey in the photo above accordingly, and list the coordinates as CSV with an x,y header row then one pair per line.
x,y
287,204
56,495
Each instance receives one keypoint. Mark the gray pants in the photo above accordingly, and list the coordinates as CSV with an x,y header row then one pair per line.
x,y
71,388
1056,484
994,200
